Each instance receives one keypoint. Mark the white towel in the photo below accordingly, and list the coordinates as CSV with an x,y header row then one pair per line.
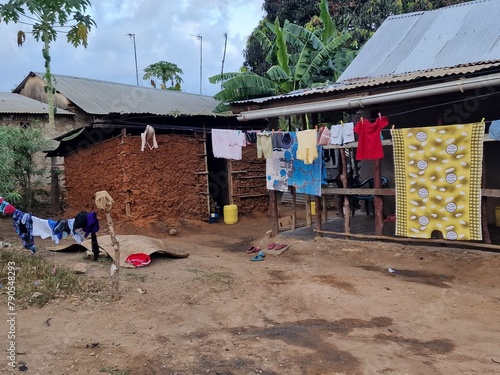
x,y
148,136
227,143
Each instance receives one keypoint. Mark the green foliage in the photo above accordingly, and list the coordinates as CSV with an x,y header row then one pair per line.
x,y
19,171
48,18
299,57
164,71
359,17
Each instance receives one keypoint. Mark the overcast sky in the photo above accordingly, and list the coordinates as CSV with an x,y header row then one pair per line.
x,y
164,30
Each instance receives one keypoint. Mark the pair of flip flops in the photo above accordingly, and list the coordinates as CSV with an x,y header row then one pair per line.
x,y
276,246
259,256
253,249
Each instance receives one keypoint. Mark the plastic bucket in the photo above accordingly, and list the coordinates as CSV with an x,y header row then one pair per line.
x,y
497,216
231,214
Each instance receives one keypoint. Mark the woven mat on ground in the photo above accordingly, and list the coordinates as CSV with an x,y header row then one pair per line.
x,y
130,244
438,181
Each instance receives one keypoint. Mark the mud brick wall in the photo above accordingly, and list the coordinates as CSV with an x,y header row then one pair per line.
x,y
249,188
159,184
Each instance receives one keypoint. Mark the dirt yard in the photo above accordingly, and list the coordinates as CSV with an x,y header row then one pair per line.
x,y
322,307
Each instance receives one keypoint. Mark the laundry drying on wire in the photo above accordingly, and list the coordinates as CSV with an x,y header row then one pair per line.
x,y
28,226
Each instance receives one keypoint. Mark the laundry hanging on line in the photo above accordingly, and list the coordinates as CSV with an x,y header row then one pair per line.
x,y
28,227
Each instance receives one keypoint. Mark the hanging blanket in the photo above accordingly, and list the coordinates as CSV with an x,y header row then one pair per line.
x,y
438,181
278,169
306,178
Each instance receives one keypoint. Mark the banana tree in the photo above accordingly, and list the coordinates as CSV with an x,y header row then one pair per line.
x,y
301,58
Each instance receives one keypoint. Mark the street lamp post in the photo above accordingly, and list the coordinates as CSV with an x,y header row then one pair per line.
x,y
200,38
135,55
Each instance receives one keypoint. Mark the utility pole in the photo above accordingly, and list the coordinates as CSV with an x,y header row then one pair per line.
x,y
200,38
135,55
223,58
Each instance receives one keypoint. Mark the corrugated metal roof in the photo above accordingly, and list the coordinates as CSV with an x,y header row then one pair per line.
x,y
101,98
458,35
459,39
19,104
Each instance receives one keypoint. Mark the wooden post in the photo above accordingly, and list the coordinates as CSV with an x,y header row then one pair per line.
x,y
115,268
319,226
293,191
273,210
104,202
307,200
54,186
484,206
377,199
324,208
347,206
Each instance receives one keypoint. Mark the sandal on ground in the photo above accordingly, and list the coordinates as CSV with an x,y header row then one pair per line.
x,y
253,249
271,245
259,256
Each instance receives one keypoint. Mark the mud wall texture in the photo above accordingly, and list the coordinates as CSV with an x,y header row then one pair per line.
x,y
151,185
165,184
249,182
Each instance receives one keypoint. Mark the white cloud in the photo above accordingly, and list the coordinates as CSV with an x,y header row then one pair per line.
x,y
163,31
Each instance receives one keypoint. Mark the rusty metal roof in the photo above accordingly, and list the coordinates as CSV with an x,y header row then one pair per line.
x,y
454,40
19,104
101,98
466,34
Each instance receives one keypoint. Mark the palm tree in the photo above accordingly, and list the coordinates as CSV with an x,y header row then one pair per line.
x,y
301,57
165,71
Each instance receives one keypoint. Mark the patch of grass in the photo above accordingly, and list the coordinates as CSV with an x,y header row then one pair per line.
x,y
37,281
114,371
222,278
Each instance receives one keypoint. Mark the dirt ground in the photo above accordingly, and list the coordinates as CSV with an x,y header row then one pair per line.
x,y
323,306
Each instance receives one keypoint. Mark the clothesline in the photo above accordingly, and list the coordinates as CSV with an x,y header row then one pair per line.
x,y
28,227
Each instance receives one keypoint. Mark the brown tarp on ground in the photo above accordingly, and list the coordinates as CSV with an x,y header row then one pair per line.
x,y
129,244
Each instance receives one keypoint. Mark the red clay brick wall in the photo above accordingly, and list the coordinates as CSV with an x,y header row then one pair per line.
x,y
251,185
161,182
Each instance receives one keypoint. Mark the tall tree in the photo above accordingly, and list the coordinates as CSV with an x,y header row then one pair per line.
x,y
295,11
164,71
48,18
363,17
300,58
360,17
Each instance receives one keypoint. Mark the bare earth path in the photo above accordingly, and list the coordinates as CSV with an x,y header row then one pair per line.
x,y
323,306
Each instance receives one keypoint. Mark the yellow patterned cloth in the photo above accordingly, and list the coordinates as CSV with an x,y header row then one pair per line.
x,y
438,181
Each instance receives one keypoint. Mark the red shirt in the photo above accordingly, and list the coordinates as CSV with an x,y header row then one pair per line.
x,y
369,142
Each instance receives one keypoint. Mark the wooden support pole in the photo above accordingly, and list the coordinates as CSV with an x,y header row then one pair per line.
x,y
430,242
115,267
319,226
347,207
377,199
308,210
273,212
484,206
293,191
104,202
324,208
